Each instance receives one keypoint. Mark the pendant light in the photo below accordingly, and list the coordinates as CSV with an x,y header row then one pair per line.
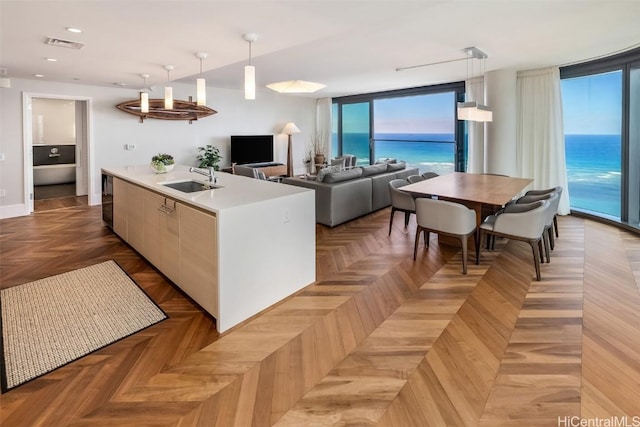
x,y
168,90
201,86
250,70
144,95
472,109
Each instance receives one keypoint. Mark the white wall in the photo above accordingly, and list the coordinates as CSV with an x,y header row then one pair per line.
x,y
111,129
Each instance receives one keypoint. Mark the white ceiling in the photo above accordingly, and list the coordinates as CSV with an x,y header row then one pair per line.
x,y
351,46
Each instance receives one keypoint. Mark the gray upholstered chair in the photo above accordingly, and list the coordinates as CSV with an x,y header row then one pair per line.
x,y
429,175
448,218
554,200
415,178
248,172
400,201
547,191
525,222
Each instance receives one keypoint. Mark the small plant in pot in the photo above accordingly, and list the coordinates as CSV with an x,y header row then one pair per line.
x,y
318,147
162,163
209,157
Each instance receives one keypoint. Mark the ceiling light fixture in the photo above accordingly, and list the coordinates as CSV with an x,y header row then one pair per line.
x,y
250,70
73,30
50,59
296,86
201,86
168,90
144,95
472,109
38,75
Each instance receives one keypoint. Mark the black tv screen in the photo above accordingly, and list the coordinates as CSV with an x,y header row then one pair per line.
x,y
251,149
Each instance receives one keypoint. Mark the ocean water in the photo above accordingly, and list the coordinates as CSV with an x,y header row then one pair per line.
x,y
594,172
593,162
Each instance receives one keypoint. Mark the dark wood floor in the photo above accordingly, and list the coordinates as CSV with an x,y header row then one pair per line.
x,y
378,340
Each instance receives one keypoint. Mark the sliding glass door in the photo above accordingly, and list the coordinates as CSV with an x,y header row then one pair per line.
x,y
356,131
601,102
593,138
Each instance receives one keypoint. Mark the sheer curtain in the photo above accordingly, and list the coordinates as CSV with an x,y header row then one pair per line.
x,y
475,159
540,136
323,122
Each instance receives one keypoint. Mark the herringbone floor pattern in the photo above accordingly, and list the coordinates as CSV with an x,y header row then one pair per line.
x,y
378,340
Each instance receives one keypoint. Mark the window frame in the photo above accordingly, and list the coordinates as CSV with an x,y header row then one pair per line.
x,y
625,62
460,130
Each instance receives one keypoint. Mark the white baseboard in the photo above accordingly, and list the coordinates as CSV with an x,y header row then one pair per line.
x,y
12,211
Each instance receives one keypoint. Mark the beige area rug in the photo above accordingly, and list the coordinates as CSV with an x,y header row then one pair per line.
x,y
51,322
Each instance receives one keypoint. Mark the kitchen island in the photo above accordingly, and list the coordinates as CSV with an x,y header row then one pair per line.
x,y
235,249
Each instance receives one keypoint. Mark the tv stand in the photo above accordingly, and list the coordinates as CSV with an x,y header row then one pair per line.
x,y
268,168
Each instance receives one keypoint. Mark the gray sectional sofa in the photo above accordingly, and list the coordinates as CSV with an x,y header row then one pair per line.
x,y
344,195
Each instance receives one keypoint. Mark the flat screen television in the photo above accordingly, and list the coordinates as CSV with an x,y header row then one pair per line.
x,y
251,149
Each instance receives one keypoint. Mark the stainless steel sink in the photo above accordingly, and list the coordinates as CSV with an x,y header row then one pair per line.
x,y
191,186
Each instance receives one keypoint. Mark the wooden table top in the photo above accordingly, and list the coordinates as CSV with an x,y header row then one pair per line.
x,y
488,189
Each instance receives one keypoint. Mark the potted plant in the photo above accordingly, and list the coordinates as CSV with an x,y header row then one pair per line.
x,y
319,149
209,157
162,163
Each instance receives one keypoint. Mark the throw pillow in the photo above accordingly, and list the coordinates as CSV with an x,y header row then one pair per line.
x,y
344,175
325,171
393,167
374,169
337,162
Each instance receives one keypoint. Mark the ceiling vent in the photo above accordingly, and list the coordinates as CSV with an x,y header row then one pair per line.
x,y
52,41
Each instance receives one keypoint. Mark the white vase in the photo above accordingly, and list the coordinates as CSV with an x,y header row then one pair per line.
x,y
161,167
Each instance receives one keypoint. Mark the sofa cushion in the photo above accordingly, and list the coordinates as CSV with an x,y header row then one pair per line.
x,y
394,167
374,169
322,173
343,175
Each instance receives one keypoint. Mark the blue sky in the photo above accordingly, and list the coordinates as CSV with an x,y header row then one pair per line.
x,y
593,104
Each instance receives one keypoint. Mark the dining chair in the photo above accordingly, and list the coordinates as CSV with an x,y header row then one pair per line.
x,y
415,178
429,175
448,218
400,201
554,200
525,222
548,190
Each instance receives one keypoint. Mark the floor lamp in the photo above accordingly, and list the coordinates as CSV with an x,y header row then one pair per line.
x,y
289,130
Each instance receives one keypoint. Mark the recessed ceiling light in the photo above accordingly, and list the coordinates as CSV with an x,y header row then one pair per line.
x,y
38,75
73,30
120,84
51,59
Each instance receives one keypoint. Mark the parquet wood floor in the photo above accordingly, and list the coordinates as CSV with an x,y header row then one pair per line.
x,y
378,339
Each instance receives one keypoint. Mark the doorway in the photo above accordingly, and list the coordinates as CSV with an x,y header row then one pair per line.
x,y
56,152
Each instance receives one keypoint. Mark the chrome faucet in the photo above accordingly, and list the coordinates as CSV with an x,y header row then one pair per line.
x,y
210,173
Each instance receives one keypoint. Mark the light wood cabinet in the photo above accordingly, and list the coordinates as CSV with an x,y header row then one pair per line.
x,y
162,234
199,257
119,207
179,240
128,216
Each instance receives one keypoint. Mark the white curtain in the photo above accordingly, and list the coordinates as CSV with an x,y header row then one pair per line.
x,y
540,135
475,156
323,122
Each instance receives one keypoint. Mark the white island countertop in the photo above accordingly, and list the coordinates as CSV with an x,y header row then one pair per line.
x,y
261,248
234,191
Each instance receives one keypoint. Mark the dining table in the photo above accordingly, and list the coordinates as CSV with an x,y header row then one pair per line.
x,y
484,193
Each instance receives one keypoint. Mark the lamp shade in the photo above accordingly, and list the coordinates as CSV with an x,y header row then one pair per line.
x,y
249,82
296,86
168,98
201,92
290,128
144,102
